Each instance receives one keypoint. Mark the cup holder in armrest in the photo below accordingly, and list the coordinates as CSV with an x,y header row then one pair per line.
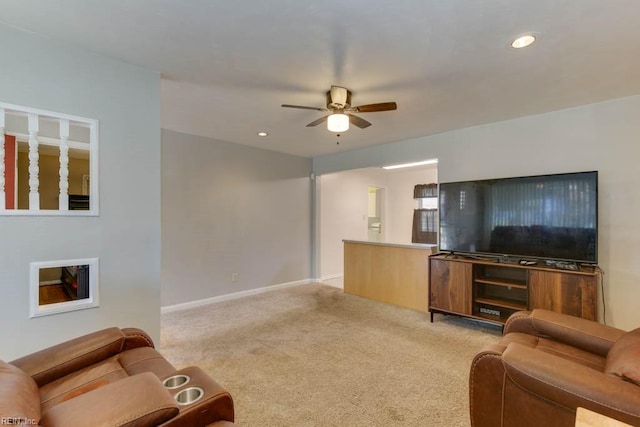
x,y
176,381
189,395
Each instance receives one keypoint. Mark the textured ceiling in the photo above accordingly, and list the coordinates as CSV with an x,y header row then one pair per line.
x,y
228,66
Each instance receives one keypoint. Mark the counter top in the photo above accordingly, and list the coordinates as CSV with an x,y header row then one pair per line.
x,y
397,245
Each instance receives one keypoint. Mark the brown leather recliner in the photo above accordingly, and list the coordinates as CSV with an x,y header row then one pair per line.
x,y
112,377
547,365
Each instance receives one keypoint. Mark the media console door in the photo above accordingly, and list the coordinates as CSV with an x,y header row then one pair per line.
x,y
573,294
450,286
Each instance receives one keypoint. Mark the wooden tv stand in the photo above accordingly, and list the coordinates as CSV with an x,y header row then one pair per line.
x,y
492,291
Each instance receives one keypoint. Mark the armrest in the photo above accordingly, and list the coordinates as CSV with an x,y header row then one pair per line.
x,y
215,404
140,400
55,362
588,335
571,384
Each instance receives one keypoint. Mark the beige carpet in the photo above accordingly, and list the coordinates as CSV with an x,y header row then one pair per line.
x,y
314,356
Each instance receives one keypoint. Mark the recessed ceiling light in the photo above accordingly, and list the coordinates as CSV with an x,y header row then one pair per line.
x,y
262,134
523,41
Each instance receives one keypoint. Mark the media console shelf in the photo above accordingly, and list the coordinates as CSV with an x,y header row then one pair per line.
x,y
492,291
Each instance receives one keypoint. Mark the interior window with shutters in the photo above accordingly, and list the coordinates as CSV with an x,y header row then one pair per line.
x,y
425,216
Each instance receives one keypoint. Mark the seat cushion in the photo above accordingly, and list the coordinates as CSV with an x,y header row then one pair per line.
x,y
623,359
135,401
565,351
19,396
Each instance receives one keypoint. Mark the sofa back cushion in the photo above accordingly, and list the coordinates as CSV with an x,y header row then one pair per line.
x,y
623,359
19,396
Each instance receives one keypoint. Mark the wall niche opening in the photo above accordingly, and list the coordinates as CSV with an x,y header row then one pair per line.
x,y
62,286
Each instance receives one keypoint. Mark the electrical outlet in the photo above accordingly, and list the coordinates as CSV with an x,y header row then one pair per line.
x,y
234,277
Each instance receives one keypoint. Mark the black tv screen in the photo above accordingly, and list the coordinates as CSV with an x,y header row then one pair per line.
x,y
544,217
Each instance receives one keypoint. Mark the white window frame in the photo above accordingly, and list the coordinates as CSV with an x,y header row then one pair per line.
x,y
37,310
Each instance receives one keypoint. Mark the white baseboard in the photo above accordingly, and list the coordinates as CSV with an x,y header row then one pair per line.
x,y
235,295
330,276
334,280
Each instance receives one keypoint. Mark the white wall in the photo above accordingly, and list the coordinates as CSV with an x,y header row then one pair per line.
x,y
228,208
343,202
601,136
39,73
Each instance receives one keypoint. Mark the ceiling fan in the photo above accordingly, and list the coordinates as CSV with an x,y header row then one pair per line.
x,y
341,111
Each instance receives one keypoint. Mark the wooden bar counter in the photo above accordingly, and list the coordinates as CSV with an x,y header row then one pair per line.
x,y
387,272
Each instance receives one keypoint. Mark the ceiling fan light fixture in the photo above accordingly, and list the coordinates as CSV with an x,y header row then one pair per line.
x,y
338,122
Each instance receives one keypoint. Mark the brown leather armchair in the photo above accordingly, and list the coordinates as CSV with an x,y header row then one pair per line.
x,y
547,365
112,377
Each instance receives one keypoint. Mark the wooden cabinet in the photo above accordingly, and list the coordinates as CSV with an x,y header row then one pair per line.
x,y
568,293
450,286
492,291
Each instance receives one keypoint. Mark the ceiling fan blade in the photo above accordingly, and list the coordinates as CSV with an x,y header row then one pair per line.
x,y
304,108
359,122
317,122
371,108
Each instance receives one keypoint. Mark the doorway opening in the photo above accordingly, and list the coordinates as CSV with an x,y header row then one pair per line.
x,y
375,214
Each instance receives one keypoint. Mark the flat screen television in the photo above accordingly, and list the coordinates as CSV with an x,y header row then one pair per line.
x,y
546,217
